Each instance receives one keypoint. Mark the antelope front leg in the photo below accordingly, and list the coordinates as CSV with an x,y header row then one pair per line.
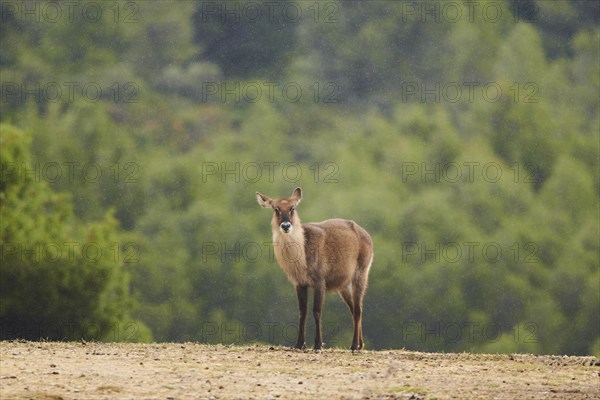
x,y
317,307
302,293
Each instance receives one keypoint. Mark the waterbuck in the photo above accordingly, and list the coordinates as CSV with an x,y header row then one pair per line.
x,y
333,255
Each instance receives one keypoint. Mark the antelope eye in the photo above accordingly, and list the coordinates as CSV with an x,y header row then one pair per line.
x,y
292,210
276,211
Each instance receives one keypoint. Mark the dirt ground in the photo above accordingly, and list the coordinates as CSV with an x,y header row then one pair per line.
x,y
47,370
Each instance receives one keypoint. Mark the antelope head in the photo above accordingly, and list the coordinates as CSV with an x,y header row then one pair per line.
x,y
285,217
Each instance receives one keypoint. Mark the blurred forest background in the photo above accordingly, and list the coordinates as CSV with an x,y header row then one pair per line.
x,y
464,138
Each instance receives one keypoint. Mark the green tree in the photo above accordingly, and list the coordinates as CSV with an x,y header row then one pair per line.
x,y
240,38
52,285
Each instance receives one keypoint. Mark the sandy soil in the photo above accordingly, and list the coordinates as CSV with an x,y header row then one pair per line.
x,y
42,370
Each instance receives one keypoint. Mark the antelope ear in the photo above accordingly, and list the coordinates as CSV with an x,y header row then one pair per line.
x,y
297,195
263,201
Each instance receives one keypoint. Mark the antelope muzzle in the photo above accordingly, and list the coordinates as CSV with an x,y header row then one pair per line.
x,y
285,226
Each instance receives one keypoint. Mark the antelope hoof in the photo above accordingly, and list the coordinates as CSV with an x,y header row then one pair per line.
x,y
355,348
300,345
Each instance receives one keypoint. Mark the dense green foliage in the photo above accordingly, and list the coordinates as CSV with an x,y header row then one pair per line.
x,y
467,148
61,279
